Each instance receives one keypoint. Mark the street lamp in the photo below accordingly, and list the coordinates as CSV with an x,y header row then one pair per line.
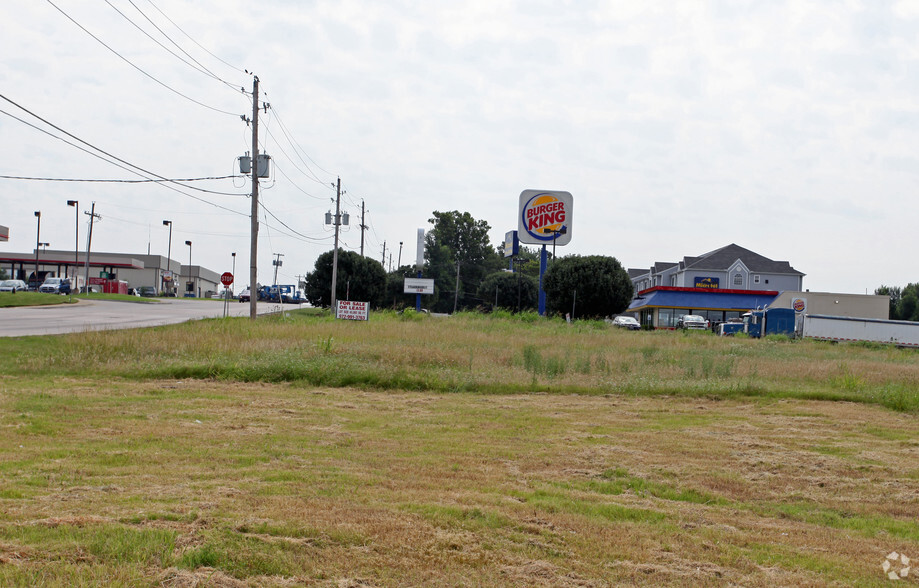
x,y
76,238
44,245
37,239
193,291
555,234
168,255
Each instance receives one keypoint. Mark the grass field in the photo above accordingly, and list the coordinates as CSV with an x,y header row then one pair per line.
x,y
9,300
468,451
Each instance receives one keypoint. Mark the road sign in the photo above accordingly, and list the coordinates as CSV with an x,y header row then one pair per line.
x,y
226,278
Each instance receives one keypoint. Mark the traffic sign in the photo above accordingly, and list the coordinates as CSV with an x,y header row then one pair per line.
x,y
226,278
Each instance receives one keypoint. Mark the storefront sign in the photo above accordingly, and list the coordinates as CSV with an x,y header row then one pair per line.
x,y
419,286
709,283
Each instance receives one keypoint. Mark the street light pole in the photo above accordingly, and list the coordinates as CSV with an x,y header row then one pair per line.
x,y
37,239
194,291
168,256
76,239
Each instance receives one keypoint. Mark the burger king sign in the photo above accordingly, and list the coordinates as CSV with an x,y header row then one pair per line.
x,y
544,216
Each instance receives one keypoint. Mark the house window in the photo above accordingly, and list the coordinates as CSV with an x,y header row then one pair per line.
x,y
756,278
738,280
673,280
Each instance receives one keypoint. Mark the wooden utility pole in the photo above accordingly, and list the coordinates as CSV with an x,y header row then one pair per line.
x,y
337,221
253,219
89,242
363,227
384,255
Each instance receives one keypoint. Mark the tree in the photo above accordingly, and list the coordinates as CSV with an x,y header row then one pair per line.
x,y
359,278
3,274
595,285
904,302
395,296
515,291
458,245
894,292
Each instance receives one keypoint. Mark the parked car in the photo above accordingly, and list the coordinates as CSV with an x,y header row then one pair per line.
x,y
147,291
245,295
626,322
66,286
12,286
692,321
51,286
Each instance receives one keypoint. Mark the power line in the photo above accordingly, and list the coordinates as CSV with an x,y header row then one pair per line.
x,y
127,169
129,62
71,135
114,181
198,68
194,41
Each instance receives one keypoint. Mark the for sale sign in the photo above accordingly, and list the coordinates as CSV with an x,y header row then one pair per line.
x,y
351,310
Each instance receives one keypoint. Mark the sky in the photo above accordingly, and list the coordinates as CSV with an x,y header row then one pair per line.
x,y
789,128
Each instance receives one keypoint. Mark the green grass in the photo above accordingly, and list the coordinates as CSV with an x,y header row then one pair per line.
x,y
9,300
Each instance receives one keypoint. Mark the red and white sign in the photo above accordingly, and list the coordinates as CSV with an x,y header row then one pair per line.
x,y
226,278
351,310
544,217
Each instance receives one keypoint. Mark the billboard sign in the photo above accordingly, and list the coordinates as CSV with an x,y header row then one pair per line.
x,y
350,310
544,216
511,244
419,286
707,283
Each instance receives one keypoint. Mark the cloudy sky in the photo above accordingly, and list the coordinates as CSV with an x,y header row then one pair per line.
x,y
790,128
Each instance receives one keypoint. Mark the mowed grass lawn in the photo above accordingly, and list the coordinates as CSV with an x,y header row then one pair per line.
x,y
469,451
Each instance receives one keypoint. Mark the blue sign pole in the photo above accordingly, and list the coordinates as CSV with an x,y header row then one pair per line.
x,y
543,261
418,298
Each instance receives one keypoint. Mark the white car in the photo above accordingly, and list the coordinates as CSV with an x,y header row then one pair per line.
x,y
51,286
12,286
692,321
626,322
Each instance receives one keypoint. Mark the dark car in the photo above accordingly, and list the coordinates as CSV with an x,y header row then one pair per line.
x,y
245,295
147,291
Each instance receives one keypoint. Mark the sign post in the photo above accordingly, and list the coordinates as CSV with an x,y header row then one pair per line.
x,y
226,278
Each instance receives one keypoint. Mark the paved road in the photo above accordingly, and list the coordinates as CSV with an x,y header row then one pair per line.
x,y
108,314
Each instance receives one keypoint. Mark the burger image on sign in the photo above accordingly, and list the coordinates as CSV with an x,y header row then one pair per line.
x,y
544,216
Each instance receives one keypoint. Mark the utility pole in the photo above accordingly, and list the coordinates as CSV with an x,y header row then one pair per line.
x,y
277,264
456,294
253,219
335,251
89,242
384,255
37,241
363,227
399,263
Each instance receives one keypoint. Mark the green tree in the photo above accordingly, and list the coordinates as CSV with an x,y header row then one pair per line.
x,y
458,243
595,285
3,274
395,296
895,293
515,291
359,278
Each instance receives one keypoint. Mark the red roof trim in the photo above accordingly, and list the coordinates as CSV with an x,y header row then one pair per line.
x,y
707,290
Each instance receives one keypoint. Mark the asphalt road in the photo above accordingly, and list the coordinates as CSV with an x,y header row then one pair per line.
x,y
108,314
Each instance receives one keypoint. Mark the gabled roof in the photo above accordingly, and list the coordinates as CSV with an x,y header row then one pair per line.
x,y
722,259
637,272
660,266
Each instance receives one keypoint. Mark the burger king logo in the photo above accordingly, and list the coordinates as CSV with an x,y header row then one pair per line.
x,y
799,304
545,216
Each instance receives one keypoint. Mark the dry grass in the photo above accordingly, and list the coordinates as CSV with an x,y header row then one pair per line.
x,y
255,484
681,460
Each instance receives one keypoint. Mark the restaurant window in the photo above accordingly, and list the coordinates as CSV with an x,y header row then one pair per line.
x,y
738,280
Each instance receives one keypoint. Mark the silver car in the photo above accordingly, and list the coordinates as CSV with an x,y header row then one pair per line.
x,y
692,321
12,286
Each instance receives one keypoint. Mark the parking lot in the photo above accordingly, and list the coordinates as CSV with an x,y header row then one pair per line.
x,y
107,314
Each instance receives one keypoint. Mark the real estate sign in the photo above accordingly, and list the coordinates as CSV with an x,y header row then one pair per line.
x,y
352,310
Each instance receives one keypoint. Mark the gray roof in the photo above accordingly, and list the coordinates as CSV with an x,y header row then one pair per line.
x,y
636,272
722,259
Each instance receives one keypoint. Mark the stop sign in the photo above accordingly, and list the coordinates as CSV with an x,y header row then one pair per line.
x,y
226,278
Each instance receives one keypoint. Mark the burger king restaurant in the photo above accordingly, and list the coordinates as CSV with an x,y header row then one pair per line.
x,y
719,286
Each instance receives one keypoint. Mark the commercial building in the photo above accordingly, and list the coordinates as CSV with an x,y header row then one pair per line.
x,y
719,285
137,270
